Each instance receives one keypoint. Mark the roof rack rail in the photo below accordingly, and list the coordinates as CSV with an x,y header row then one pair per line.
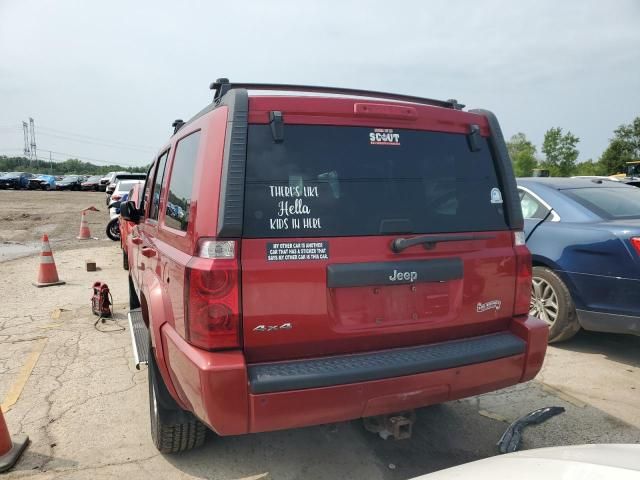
x,y
222,85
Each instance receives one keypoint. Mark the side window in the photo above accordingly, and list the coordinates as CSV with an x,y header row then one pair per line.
x,y
154,207
181,186
531,208
145,190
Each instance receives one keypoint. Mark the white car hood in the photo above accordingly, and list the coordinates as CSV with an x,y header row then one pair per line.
x,y
592,462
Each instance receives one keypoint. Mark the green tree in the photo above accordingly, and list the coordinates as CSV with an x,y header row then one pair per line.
x,y
623,147
560,151
523,155
70,166
589,167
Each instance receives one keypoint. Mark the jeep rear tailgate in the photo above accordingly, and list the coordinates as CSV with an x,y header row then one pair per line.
x,y
322,210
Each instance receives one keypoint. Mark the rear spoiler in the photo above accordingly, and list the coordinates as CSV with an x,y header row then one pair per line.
x,y
504,167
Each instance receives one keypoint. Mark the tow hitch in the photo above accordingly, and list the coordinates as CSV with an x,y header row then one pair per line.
x,y
398,426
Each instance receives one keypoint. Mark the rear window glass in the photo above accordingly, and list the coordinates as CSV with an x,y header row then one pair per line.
x,y
608,203
346,181
122,186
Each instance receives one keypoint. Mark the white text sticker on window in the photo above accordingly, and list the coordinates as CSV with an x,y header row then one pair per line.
x,y
496,195
384,136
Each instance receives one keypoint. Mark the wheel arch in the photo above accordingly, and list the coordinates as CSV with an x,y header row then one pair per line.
x,y
540,261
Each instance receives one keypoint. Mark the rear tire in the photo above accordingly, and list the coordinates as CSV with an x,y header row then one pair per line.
x,y
134,301
173,429
125,260
113,229
551,302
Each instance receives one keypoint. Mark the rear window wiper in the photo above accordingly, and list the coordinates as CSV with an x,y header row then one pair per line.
x,y
429,241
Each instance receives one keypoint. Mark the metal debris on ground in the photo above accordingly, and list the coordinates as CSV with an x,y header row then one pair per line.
x,y
510,440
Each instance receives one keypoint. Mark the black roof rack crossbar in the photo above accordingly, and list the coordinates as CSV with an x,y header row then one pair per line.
x,y
222,86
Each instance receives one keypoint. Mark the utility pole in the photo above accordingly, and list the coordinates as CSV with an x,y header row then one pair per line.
x,y
25,131
32,126
50,163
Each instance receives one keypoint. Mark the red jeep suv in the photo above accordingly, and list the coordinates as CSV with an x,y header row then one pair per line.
x,y
324,254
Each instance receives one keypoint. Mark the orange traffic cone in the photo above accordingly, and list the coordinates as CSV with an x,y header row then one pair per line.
x,y
10,447
47,275
84,234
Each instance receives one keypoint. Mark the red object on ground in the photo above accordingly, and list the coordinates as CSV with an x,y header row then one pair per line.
x,y
90,209
84,234
101,300
47,274
10,447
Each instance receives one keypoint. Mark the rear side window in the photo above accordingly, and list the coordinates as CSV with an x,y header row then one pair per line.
x,y
154,208
609,203
531,207
347,181
181,185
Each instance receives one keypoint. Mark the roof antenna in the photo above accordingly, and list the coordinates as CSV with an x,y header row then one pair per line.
x,y
177,125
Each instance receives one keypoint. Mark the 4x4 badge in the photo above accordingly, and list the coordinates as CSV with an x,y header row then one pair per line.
x,y
272,328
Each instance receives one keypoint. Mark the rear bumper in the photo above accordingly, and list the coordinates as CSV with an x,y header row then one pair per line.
x,y
230,397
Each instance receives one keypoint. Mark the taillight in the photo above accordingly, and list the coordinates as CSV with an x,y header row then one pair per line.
x,y
522,298
212,296
635,241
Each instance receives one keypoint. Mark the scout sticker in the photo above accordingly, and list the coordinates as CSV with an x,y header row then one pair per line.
x,y
496,195
384,136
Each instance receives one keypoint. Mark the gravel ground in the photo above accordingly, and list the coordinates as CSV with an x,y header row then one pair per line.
x,y
25,215
74,391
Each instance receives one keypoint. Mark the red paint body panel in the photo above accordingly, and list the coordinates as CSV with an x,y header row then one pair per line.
x,y
340,111
348,320
535,332
214,384
314,406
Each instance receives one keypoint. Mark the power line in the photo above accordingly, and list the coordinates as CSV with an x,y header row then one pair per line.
x,y
62,132
88,159
103,144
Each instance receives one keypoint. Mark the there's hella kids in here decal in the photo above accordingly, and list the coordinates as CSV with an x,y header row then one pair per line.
x,y
292,213
384,136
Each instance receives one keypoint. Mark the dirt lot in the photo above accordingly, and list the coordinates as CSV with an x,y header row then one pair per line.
x,y
74,390
26,215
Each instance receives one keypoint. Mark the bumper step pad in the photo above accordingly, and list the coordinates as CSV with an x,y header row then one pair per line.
x,y
139,338
363,367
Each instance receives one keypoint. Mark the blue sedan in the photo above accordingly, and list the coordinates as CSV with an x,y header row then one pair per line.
x,y
584,237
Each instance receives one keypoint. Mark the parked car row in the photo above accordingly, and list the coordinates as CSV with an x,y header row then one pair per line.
x,y
126,179
32,181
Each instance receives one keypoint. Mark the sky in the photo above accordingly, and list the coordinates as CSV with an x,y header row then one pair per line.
x,y
104,80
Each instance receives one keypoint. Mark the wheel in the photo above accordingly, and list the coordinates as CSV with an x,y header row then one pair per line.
x,y
173,429
551,302
113,229
125,260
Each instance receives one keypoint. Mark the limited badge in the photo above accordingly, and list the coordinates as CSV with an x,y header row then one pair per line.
x,y
496,195
491,305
